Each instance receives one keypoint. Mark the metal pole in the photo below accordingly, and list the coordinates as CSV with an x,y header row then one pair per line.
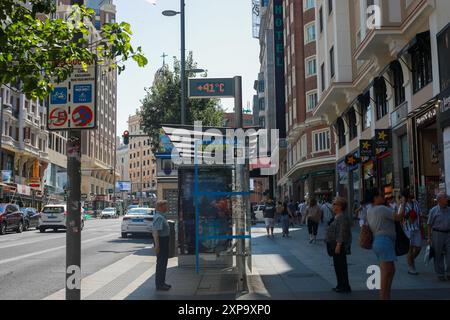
x,y
1,133
141,186
183,63
240,187
73,220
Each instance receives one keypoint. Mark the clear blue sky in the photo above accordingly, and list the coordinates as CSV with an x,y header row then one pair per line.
x,y
218,32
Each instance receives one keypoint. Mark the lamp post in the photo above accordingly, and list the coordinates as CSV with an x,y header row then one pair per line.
x,y
171,13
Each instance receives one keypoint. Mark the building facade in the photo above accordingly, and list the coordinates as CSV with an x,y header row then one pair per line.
x,y
380,88
309,168
142,162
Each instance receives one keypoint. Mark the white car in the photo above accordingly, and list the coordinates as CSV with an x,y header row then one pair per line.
x,y
108,213
138,221
54,217
258,211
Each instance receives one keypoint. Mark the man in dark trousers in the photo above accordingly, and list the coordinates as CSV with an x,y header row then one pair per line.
x,y
161,239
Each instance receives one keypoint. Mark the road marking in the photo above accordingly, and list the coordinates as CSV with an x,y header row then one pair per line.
x,y
52,249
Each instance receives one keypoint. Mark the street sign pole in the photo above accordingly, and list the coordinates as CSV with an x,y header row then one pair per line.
x,y
73,221
241,186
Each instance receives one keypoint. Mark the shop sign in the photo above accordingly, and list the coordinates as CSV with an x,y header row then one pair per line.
x,y
428,116
352,160
383,138
7,176
25,190
366,148
342,173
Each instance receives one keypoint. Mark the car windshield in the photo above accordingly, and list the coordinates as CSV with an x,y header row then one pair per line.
x,y
140,211
53,210
109,209
23,210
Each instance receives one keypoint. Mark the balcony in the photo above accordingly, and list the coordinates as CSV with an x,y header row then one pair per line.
x,y
335,100
10,144
387,40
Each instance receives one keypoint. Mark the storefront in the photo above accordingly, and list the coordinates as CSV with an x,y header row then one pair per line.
x,y
427,170
316,182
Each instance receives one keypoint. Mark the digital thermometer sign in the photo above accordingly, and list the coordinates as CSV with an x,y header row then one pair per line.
x,y
211,88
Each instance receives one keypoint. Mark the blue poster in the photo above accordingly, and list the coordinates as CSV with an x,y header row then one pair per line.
x,y
82,93
58,96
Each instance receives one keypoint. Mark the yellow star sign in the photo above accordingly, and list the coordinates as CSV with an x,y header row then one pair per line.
x,y
382,136
366,145
351,160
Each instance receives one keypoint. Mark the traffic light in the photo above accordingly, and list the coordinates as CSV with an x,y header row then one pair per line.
x,y
126,138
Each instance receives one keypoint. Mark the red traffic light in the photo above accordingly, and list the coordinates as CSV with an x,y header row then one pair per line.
x,y
126,133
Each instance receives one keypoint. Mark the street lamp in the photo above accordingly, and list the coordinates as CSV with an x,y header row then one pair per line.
x,y
171,13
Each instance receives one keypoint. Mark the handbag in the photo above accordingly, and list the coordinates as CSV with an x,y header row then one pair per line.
x,y
401,241
366,237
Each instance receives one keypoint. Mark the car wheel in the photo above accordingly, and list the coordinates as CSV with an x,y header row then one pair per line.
x,y
26,226
20,227
3,228
124,235
42,230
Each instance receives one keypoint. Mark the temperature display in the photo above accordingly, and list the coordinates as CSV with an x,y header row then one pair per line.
x,y
211,88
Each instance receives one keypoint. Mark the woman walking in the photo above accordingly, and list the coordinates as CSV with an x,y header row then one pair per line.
x,y
285,220
313,216
339,239
381,220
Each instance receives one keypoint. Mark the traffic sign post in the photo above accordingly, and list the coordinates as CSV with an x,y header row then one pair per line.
x,y
200,88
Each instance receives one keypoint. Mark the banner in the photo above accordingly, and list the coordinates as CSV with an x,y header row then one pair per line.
x,y
256,13
383,138
366,148
123,186
7,176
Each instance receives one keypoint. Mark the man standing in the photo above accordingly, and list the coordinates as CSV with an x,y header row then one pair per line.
x,y
292,210
301,210
269,216
439,228
161,237
327,210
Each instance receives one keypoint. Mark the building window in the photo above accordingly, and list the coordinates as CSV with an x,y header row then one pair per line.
x,y
311,68
332,61
321,19
309,4
380,97
397,76
330,6
311,101
341,132
310,33
422,69
304,145
352,128
322,75
261,86
366,110
262,104
321,141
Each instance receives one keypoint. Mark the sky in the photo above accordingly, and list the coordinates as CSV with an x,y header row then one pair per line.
x,y
218,32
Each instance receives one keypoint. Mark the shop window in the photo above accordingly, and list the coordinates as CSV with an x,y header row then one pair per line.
x,y
379,86
366,110
397,76
341,132
422,70
352,128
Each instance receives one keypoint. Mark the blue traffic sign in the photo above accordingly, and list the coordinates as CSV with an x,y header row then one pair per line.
x,y
82,93
59,96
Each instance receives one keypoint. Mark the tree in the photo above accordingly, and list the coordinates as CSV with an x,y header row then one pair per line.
x,y
161,104
37,50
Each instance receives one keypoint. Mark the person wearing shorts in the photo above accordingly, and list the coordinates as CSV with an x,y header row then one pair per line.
x,y
381,220
411,227
269,216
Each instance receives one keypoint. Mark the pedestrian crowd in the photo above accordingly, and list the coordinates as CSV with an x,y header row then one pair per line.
x,y
390,228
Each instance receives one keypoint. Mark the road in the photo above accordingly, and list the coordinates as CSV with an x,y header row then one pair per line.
x,y
32,264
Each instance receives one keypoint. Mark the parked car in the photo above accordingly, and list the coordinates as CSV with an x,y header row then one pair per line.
x,y
138,221
30,218
259,212
54,217
11,219
108,213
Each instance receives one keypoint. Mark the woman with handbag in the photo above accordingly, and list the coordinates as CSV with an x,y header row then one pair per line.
x,y
381,221
339,239
313,216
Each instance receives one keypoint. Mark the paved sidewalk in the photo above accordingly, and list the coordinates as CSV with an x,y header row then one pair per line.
x,y
132,278
291,268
